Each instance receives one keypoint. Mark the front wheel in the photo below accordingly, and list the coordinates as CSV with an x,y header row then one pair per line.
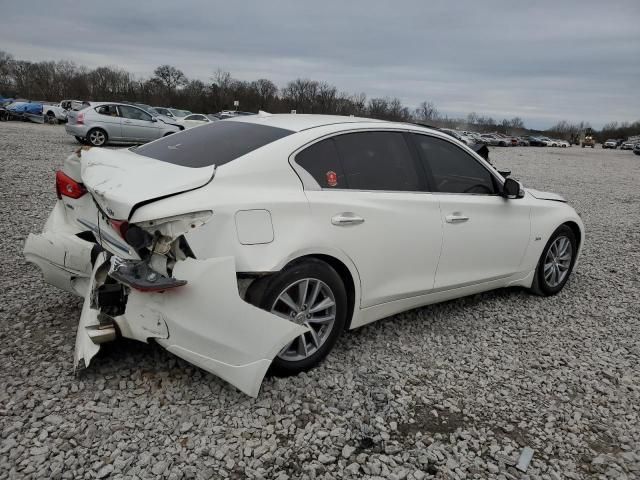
x,y
556,262
311,294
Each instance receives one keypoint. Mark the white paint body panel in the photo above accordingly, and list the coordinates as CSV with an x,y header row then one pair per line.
x,y
266,213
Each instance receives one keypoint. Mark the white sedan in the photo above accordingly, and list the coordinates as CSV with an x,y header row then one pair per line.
x,y
255,242
196,119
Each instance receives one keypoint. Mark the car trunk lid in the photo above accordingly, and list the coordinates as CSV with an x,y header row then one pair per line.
x,y
120,180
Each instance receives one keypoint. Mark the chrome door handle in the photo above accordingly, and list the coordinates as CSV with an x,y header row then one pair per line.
x,y
456,218
346,218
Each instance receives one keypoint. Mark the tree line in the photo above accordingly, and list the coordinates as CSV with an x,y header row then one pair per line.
x,y
169,86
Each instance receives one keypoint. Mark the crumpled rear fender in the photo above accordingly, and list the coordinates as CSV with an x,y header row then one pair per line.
x,y
204,322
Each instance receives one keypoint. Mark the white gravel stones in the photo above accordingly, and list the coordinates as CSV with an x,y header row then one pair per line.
x,y
449,391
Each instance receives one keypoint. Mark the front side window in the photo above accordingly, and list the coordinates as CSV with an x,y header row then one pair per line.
x,y
377,161
451,169
134,113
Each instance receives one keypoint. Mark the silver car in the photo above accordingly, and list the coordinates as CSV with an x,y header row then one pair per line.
x,y
109,122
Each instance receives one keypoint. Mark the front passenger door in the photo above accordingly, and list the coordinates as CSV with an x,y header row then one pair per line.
x,y
137,125
484,234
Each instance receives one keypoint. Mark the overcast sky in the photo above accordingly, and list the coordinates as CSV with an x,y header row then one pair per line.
x,y
541,60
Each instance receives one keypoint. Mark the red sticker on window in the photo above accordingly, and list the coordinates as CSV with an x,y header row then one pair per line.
x,y
332,178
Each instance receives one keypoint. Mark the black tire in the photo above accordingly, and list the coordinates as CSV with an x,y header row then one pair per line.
x,y
97,137
80,140
264,293
540,285
51,118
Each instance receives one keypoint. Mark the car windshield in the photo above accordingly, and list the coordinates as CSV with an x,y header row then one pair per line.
x,y
214,143
179,113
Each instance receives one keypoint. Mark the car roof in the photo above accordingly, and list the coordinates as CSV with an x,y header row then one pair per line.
x,y
299,122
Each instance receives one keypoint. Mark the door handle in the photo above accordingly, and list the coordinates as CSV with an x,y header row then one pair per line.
x,y
346,218
456,218
127,121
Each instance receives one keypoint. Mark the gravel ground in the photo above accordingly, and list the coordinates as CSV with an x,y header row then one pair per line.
x,y
449,391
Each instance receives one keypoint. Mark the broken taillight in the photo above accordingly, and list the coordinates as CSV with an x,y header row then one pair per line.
x,y
120,226
67,186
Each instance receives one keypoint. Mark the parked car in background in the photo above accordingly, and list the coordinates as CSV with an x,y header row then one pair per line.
x,y
109,122
172,112
459,136
534,141
548,142
626,146
231,114
611,143
636,149
563,143
495,140
253,243
195,119
523,142
177,113
74,104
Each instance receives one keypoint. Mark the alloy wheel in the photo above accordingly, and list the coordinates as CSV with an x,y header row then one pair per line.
x,y
97,138
311,303
558,261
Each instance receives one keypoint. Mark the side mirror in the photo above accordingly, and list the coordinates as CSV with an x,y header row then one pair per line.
x,y
154,119
512,189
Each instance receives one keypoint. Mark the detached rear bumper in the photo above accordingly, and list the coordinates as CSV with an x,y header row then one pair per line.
x,y
205,322
63,257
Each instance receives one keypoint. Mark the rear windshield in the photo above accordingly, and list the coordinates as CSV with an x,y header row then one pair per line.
x,y
215,143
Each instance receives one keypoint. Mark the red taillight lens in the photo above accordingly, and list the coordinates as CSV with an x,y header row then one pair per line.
x,y
80,119
68,187
120,226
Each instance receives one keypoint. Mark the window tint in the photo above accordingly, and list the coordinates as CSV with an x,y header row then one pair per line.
x,y
134,113
322,162
109,110
214,143
201,118
377,161
452,169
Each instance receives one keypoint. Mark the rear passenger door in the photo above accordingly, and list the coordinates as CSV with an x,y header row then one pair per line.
x,y
138,125
369,200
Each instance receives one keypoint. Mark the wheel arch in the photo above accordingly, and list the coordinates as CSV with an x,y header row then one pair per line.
x,y
576,231
345,269
347,279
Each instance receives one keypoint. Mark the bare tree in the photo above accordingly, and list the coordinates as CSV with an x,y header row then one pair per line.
x,y
170,78
426,112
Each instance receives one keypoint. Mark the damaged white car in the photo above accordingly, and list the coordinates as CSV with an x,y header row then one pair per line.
x,y
255,242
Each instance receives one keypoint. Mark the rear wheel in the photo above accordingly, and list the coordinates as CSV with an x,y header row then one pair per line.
x,y
97,137
556,262
311,294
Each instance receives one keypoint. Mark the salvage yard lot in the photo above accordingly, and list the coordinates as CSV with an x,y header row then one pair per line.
x,y
454,390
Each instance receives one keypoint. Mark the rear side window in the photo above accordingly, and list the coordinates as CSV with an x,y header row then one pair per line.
x,y
452,169
323,164
109,110
214,143
377,161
